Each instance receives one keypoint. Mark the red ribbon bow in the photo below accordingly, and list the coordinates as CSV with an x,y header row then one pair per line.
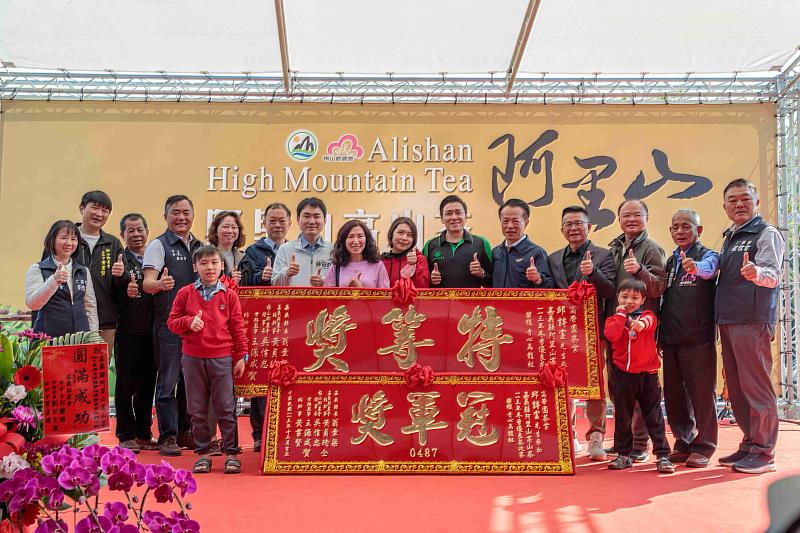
x,y
282,374
579,291
418,377
10,440
403,292
553,375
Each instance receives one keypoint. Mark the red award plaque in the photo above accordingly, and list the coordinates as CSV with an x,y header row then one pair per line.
x,y
463,331
360,423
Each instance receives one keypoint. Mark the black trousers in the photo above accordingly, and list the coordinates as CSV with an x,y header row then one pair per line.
x,y
690,377
640,438
644,389
258,405
136,383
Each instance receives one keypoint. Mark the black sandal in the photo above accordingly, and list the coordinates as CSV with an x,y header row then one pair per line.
x,y
202,466
233,466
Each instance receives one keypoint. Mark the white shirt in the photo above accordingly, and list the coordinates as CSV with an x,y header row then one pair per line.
x,y
91,240
38,292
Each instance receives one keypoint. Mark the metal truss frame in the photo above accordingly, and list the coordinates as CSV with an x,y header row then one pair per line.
x,y
788,166
491,88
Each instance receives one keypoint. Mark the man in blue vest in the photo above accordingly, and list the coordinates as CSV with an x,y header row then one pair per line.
x,y
167,268
746,310
686,336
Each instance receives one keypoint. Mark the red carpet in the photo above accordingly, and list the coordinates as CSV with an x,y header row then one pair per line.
x,y
594,500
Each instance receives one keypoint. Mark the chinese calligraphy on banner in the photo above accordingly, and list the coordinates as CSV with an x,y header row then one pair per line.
x,y
467,331
75,382
376,424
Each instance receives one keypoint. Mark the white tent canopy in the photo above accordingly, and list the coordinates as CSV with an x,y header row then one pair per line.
x,y
409,37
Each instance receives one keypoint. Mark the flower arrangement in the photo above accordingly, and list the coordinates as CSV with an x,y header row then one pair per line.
x,y
21,421
22,441
78,475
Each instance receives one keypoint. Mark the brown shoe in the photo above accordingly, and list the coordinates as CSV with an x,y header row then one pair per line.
x,y
697,461
147,445
169,447
131,445
186,441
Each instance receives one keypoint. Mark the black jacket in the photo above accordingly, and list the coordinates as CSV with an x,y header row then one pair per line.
x,y
252,266
99,262
454,260
603,277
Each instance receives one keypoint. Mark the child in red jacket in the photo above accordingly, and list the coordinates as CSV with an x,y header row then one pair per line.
x,y
208,317
631,332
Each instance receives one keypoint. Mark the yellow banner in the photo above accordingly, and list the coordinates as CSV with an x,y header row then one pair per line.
x,y
374,163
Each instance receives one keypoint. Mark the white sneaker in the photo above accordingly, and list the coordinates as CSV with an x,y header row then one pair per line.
x,y
576,445
596,451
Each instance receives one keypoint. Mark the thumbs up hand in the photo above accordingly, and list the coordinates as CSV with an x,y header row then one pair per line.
x,y
294,267
356,281
475,267
61,273
689,266
266,274
167,282
197,322
587,267
411,257
118,268
749,270
436,276
236,276
631,265
316,279
133,287
637,325
531,274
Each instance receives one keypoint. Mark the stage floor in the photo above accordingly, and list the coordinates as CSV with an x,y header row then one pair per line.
x,y
593,500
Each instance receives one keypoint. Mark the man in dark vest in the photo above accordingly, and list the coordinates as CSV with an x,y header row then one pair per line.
x,y
638,257
746,309
167,268
686,335
583,260
133,351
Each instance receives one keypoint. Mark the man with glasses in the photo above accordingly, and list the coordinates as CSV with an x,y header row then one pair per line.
x,y
582,260
638,257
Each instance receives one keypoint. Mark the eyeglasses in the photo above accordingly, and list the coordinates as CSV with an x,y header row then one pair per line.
x,y
570,225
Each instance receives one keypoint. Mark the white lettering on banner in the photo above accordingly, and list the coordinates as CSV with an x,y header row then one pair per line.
x,y
229,181
448,180
367,182
430,152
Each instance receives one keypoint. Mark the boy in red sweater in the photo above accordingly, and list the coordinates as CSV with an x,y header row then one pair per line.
x,y
631,332
208,317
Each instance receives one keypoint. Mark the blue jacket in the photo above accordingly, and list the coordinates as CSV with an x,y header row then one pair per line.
x,y
256,258
510,266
